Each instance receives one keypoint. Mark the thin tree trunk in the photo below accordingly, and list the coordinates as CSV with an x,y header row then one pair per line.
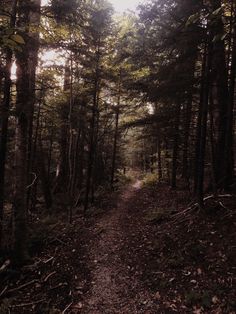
x,y
159,162
203,127
212,145
175,146
117,114
220,76
90,157
62,174
46,188
188,117
199,119
91,154
229,136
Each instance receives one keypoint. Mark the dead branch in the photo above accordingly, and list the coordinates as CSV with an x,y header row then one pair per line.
x,y
67,308
48,260
3,291
5,265
62,284
27,304
49,275
58,240
33,182
22,286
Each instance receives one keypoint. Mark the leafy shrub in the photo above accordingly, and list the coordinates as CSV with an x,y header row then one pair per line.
x,y
150,179
121,179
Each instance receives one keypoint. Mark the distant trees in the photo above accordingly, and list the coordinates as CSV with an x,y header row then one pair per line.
x,y
63,116
164,79
186,51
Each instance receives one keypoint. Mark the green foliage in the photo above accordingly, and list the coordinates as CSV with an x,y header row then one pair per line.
x,y
121,179
150,179
10,40
193,19
5,305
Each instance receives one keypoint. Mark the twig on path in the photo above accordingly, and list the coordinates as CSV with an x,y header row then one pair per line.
x,y
49,275
60,241
67,308
48,260
3,291
27,304
22,286
62,284
5,265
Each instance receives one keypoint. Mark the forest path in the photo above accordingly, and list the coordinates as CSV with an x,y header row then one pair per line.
x,y
115,287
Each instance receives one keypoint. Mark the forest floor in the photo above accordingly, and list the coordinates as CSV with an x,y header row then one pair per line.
x,y
141,252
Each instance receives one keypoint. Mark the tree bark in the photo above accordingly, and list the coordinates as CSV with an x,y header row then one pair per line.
x,y
4,116
91,154
229,135
203,126
117,115
175,146
26,70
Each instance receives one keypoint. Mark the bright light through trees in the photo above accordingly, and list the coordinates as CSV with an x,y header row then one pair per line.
x,y
119,5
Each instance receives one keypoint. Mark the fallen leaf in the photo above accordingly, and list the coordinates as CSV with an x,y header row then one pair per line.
x,y
215,300
157,295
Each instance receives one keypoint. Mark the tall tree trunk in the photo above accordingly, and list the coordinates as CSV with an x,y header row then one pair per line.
x,y
187,124
229,135
91,153
26,69
117,115
175,146
220,77
212,143
203,126
199,119
62,168
33,61
4,115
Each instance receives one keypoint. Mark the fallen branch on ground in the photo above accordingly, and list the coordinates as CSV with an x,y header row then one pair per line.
x,y
62,284
22,286
3,291
49,275
67,308
196,205
5,265
27,304
48,260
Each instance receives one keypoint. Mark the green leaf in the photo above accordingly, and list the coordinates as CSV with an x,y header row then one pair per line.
x,y
18,39
192,19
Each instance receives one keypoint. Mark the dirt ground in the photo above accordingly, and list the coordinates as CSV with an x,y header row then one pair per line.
x,y
141,253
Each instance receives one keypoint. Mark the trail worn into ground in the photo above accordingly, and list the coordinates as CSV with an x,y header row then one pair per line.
x,y
115,287
140,251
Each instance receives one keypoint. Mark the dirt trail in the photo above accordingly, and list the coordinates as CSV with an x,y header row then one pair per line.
x,y
114,286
